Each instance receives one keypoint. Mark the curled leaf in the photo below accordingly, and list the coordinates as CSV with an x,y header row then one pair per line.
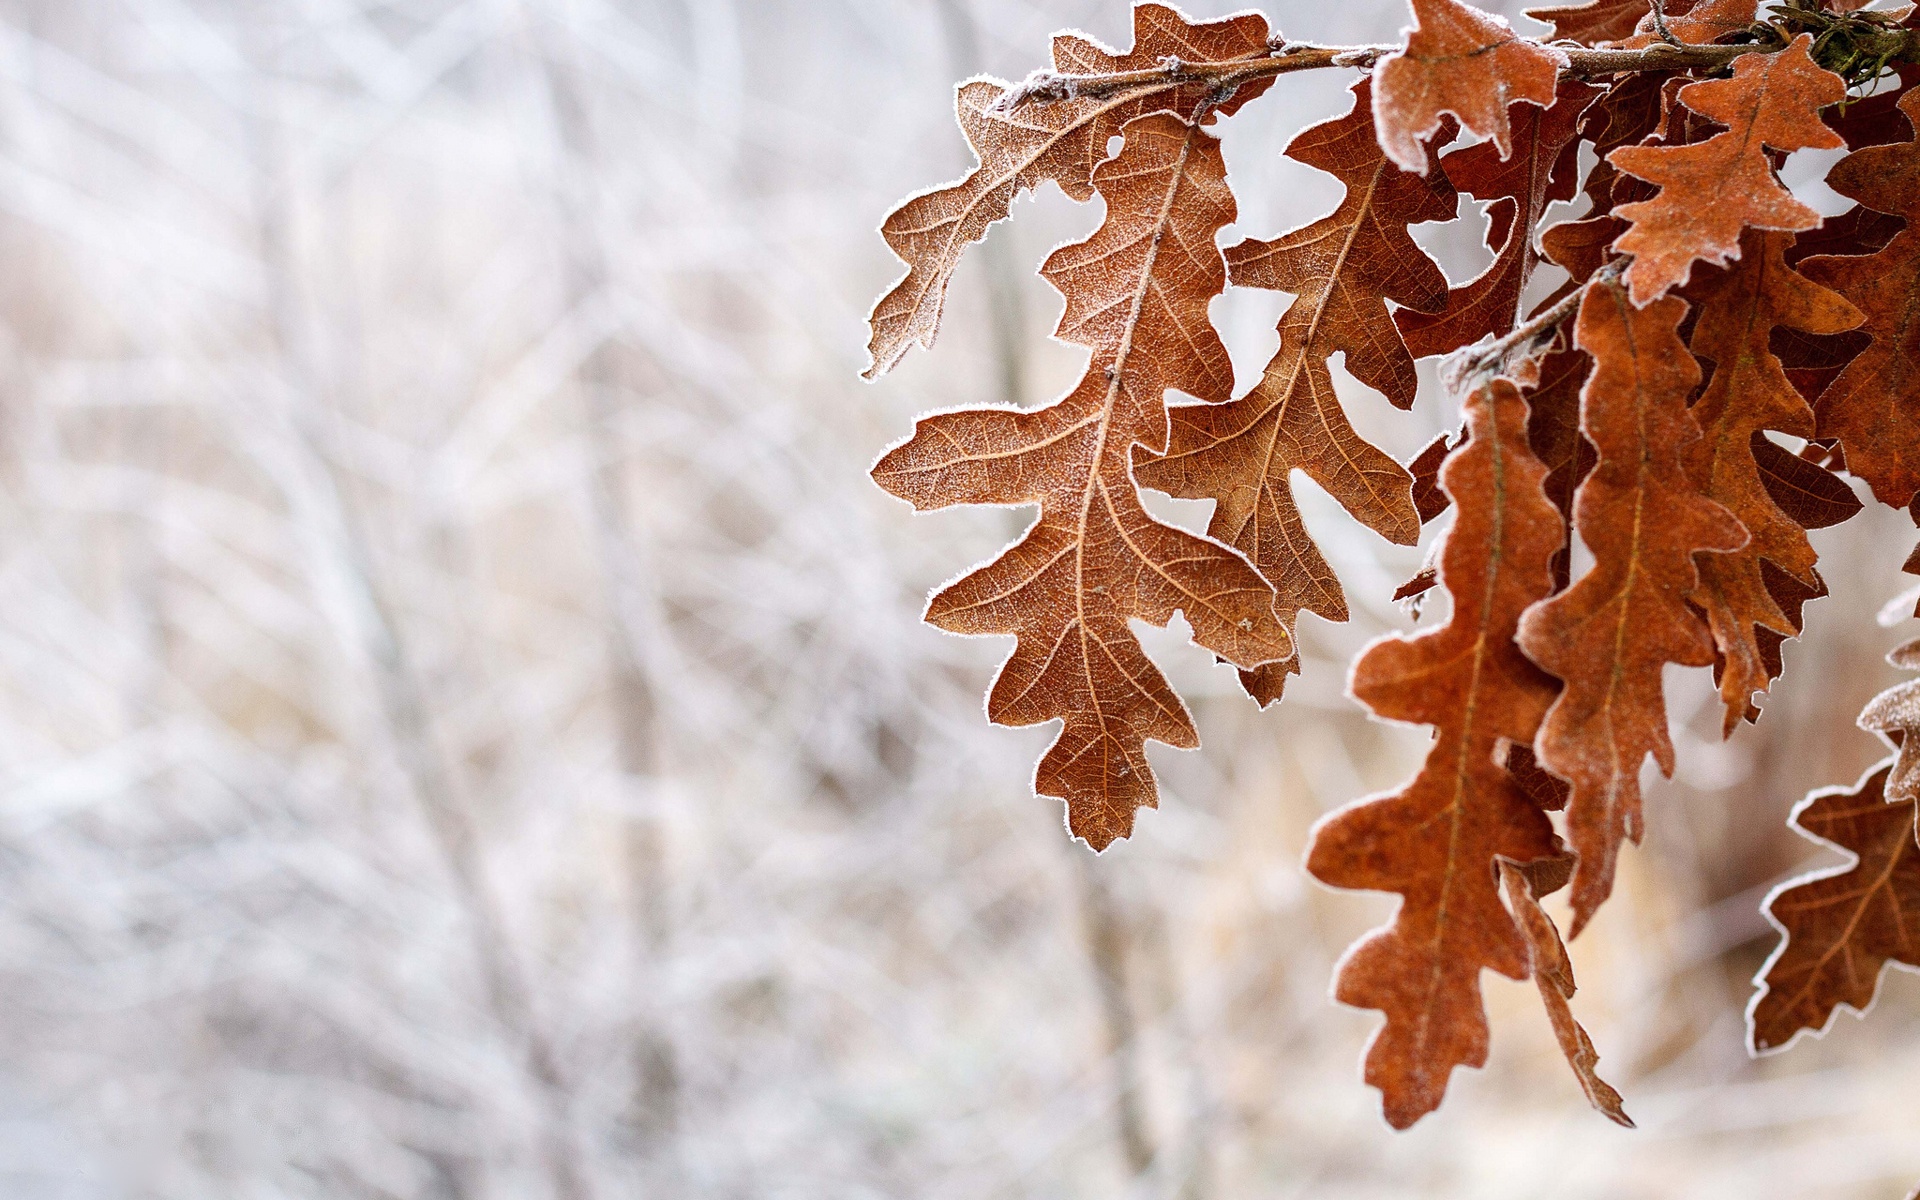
x,y
1463,61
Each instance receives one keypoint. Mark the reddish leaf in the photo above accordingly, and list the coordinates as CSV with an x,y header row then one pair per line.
x,y
1593,23
1553,972
1435,841
1873,405
1711,190
1543,168
1137,293
1749,393
1700,25
1609,635
1343,268
1840,928
1428,499
1463,61
1024,148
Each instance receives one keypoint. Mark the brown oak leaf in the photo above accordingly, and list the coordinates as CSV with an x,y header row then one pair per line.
x,y
1593,23
1137,293
1873,405
1543,167
1699,25
1020,149
1553,973
1713,189
1749,393
1343,268
1463,61
1608,636
1436,840
1840,928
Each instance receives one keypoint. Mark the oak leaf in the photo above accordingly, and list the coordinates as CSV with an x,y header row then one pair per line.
x,y
1553,974
1749,393
1595,22
1873,405
1711,190
1609,635
1343,269
1020,148
1137,293
1463,61
1436,840
1840,928
1542,168
1699,25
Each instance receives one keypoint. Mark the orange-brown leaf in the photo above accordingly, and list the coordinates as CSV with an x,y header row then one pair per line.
x,y
1700,25
1593,23
1463,61
1840,928
1873,406
1609,635
1436,840
1749,393
1711,190
1021,149
1137,293
1553,973
1543,168
1343,268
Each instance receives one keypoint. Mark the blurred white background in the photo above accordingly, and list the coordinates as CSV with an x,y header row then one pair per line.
x,y
465,728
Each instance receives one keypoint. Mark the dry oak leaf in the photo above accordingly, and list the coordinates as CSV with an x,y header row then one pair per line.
x,y
1343,269
1873,405
1591,24
1609,635
1137,293
1699,25
1544,167
1553,973
1749,393
1435,841
1840,928
1021,148
1463,61
1711,190
1895,713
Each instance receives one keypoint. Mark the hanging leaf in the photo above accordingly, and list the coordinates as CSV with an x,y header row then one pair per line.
x,y
1609,635
1873,405
1840,928
1749,394
1435,841
1137,293
1343,269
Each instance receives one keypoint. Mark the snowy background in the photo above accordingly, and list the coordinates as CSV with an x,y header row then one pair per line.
x,y
466,731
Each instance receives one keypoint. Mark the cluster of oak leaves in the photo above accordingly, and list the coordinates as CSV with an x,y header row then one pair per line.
x,y
1707,308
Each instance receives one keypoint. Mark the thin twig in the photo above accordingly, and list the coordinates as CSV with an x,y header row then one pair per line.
x,y
1044,87
1498,357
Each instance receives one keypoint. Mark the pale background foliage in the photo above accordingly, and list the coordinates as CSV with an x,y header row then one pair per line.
x,y
465,728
